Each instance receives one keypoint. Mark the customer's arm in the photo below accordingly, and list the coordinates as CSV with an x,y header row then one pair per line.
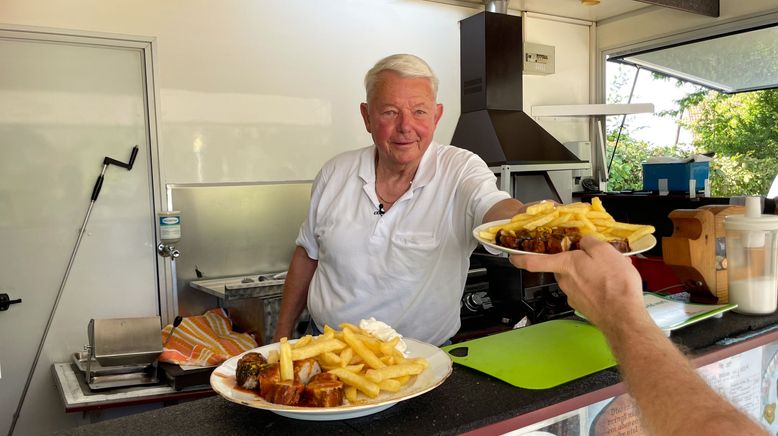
x,y
672,397
301,270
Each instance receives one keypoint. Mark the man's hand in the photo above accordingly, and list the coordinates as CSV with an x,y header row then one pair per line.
x,y
673,399
597,280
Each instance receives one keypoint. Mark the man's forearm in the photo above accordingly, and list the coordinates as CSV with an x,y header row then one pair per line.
x,y
295,295
673,398
504,209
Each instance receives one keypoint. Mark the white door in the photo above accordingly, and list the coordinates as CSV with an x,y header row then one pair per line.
x,y
66,103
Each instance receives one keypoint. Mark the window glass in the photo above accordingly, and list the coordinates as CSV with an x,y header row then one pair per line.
x,y
691,120
743,61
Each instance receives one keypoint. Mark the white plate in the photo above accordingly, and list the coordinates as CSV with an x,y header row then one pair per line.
x,y
643,244
223,382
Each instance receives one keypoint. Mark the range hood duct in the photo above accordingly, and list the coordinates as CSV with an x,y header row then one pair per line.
x,y
499,6
493,124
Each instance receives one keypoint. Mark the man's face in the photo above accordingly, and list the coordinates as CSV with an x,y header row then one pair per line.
x,y
401,116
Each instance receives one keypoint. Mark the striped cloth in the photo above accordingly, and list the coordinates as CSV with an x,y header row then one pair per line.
x,y
204,340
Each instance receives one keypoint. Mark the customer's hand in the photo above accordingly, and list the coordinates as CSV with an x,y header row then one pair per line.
x,y
599,281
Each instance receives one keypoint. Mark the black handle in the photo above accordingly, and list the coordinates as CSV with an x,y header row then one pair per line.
x,y
133,155
6,301
110,161
96,189
128,165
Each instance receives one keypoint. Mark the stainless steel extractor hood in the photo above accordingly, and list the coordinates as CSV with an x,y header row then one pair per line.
x,y
492,123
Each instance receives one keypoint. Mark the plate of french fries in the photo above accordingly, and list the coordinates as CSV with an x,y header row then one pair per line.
x,y
375,374
590,219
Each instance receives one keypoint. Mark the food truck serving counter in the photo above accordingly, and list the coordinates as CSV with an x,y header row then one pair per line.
x,y
735,353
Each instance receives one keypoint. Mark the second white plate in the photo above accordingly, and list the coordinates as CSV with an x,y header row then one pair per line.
x,y
643,244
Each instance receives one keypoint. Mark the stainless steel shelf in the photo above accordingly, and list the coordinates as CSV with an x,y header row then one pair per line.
x,y
528,168
507,171
235,288
586,110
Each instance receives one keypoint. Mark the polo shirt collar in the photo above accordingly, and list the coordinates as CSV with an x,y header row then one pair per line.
x,y
425,173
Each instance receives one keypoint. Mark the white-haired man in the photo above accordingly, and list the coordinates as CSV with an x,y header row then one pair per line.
x,y
389,230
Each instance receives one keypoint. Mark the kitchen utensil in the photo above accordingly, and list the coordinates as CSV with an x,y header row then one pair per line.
x,y
752,253
540,356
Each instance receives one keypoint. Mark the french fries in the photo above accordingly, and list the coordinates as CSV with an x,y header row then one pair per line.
x,y
350,392
319,347
285,360
366,365
305,340
358,381
394,371
591,219
362,350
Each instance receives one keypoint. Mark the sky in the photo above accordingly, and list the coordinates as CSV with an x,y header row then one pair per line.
x,y
664,94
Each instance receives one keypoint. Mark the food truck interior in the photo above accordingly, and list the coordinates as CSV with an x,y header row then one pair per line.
x,y
234,107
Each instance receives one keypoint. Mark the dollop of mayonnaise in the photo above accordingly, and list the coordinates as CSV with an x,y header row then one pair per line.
x,y
382,331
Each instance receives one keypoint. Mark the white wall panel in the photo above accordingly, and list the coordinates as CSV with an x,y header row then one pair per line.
x,y
257,90
262,91
570,82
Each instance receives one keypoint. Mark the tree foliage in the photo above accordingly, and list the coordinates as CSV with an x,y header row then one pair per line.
x,y
742,129
735,123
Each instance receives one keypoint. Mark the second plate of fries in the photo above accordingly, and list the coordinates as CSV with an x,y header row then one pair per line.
x,y
375,389
590,219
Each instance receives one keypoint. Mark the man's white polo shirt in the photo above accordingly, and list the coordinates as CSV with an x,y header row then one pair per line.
x,y
407,267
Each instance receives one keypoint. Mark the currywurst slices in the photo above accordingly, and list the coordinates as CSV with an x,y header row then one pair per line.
x,y
549,228
333,369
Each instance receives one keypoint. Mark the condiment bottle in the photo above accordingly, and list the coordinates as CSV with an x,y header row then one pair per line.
x,y
752,256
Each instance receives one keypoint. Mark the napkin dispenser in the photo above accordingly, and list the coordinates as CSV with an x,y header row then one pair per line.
x,y
121,352
696,251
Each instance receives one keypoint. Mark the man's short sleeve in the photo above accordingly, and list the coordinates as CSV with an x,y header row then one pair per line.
x,y
306,238
479,187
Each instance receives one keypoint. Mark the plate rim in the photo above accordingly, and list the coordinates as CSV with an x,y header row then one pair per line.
x,y
328,413
649,237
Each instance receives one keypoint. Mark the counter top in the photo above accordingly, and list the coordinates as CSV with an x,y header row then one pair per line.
x,y
468,401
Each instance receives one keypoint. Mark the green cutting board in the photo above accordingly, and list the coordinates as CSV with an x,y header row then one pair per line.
x,y
540,356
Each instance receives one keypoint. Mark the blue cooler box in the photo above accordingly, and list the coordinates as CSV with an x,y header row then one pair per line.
x,y
677,175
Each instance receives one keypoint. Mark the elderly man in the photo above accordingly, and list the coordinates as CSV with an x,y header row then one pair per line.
x,y
389,229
